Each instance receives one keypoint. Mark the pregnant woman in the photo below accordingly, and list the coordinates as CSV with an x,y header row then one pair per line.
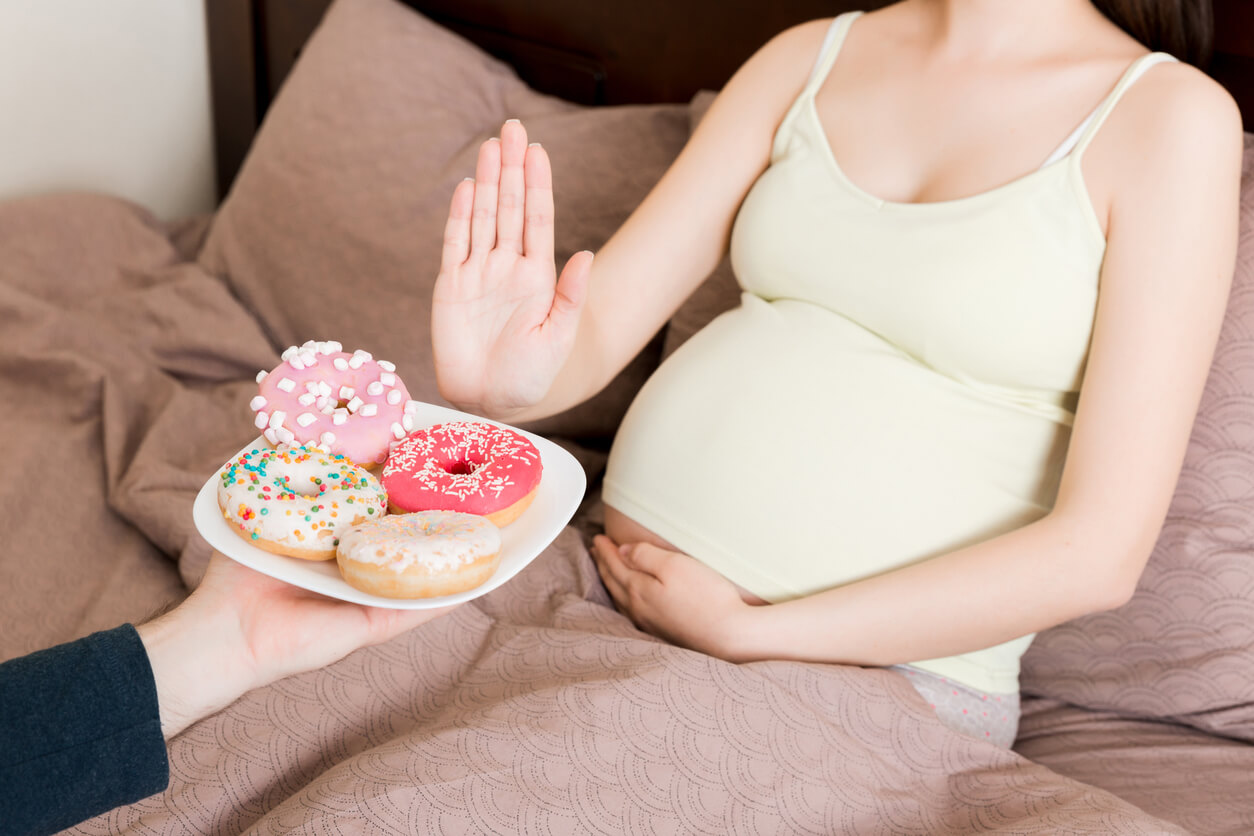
x,y
953,403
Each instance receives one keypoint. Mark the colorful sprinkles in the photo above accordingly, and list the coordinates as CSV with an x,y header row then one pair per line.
x,y
314,484
468,466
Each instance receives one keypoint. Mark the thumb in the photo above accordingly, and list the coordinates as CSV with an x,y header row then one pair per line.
x,y
646,557
572,289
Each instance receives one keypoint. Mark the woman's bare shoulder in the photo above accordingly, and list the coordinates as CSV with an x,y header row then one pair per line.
x,y
1174,109
767,83
804,39
791,54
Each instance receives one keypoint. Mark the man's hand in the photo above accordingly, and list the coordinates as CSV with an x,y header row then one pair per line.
x,y
241,629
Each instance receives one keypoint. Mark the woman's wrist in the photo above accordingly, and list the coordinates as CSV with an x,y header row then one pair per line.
x,y
486,409
743,635
768,631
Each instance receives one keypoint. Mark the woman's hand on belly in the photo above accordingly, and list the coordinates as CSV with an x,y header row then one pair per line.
x,y
674,597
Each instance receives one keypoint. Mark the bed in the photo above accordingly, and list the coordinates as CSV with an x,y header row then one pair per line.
x,y
130,348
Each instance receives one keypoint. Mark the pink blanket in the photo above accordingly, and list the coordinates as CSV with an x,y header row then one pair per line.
x,y
539,709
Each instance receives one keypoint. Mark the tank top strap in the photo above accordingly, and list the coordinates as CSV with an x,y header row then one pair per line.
x,y
1094,123
832,43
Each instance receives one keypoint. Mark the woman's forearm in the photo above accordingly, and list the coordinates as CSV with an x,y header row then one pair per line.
x,y
603,346
638,280
1012,585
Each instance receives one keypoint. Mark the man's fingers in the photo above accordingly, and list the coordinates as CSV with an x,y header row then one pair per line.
x,y
409,619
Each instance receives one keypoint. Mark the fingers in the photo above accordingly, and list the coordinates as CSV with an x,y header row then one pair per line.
x,y
347,626
457,230
487,184
606,553
406,619
511,205
617,592
511,199
647,558
571,292
612,571
538,221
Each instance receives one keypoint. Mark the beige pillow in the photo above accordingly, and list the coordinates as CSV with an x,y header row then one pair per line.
x,y
333,228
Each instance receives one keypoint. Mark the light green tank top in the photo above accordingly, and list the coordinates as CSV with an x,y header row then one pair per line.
x,y
898,382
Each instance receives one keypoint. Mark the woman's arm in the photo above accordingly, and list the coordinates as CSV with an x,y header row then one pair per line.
x,y
1164,286
666,248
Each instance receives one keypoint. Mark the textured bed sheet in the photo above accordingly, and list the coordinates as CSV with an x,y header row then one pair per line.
x,y
1196,780
1200,781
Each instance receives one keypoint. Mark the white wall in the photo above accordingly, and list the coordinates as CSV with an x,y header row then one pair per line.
x,y
107,95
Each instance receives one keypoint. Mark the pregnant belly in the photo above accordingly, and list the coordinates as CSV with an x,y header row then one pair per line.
x,y
623,529
794,451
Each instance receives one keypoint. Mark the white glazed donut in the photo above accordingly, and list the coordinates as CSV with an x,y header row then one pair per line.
x,y
297,502
420,555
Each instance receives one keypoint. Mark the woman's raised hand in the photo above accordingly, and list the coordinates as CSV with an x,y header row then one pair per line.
x,y
503,322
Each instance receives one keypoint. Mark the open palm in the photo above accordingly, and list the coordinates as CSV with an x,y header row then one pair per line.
x,y
287,630
240,630
503,322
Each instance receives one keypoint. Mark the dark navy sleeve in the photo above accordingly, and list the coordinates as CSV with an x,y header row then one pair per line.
x,y
79,732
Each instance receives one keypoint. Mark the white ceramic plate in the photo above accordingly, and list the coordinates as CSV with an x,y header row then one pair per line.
x,y
560,492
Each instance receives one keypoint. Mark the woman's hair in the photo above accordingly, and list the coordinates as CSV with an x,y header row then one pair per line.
x,y
1184,28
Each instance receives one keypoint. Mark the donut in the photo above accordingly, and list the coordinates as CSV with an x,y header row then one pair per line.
x,y
350,404
464,466
297,502
420,555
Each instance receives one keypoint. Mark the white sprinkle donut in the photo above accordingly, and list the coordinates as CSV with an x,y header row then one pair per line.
x,y
421,555
297,502
467,466
343,403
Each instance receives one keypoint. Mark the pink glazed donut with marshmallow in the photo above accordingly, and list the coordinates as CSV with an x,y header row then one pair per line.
x,y
322,396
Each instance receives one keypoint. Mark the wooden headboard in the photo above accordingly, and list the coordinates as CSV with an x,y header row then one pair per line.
x,y
588,51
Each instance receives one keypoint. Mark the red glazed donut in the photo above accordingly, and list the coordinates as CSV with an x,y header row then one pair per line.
x,y
465,466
